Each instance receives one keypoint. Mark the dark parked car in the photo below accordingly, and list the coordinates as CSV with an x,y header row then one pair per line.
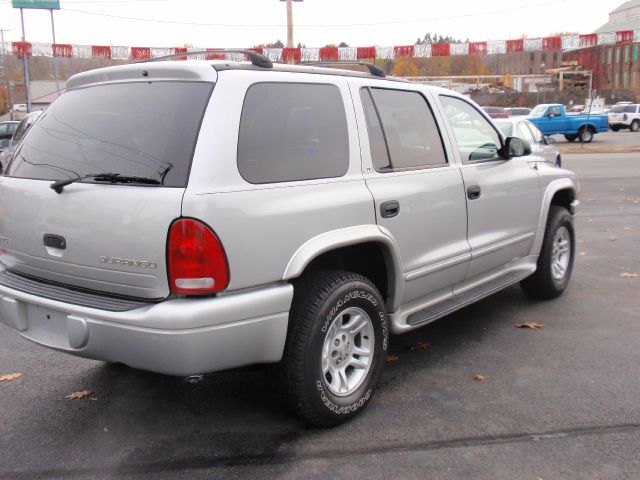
x,y
518,111
496,112
7,129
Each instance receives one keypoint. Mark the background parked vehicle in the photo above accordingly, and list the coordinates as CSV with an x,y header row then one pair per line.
x,y
626,115
22,128
541,146
518,111
7,128
496,112
552,119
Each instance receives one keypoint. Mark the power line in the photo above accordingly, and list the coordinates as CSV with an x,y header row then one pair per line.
x,y
323,25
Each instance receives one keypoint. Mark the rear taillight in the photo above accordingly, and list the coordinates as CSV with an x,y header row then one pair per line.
x,y
196,261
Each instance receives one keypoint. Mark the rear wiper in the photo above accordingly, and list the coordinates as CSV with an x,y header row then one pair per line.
x,y
104,177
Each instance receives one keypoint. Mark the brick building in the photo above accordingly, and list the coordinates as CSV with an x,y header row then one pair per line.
x,y
616,66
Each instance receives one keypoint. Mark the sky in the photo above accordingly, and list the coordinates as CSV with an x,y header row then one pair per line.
x,y
246,23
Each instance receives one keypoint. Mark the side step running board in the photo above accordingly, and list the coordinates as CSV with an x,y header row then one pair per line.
x,y
445,307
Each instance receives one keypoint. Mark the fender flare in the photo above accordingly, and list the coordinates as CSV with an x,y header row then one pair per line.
x,y
553,188
344,237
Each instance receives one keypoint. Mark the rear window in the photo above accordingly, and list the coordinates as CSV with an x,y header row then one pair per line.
x,y
142,129
292,131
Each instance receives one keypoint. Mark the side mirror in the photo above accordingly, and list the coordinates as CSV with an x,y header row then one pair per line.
x,y
515,147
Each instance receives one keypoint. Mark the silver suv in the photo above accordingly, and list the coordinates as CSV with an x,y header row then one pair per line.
x,y
186,217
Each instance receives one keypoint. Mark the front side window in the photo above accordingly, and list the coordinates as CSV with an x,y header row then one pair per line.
x,y
405,120
292,131
476,138
554,111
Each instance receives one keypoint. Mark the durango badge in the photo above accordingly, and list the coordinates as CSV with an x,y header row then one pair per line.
x,y
128,262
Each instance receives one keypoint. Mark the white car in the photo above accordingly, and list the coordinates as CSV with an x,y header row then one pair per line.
x,y
540,145
625,116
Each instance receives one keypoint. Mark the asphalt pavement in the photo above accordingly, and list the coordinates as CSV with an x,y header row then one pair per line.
x,y
560,402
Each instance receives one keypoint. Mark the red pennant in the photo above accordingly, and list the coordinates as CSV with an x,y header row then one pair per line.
x,y
99,51
403,51
140,53
590,40
515,45
624,37
366,53
477,48
440,50
62,50
291,55
21,49
551,43
329,54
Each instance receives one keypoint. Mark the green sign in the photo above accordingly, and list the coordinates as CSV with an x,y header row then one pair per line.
x,y
49,4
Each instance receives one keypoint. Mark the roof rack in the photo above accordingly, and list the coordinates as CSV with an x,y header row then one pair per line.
x,y
256,58
373,69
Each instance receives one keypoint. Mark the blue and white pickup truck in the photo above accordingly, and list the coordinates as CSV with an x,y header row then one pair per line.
x,y
552,119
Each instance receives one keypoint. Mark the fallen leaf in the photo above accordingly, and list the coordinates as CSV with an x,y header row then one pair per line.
x,y
105,429
9,377
605,230
582,254
612,239
392,358
532,325
629,229
591,199
590,220
478,378
580,241
419,346
77,395
628,275
619,201
93,398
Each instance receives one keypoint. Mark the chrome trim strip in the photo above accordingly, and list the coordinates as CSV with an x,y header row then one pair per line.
x,y
436,267
497,246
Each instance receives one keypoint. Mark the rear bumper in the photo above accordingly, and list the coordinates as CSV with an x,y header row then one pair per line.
x,y
177,337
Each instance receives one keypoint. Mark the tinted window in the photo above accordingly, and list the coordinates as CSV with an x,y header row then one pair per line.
x,y
292,131
134,129
476,138
410,130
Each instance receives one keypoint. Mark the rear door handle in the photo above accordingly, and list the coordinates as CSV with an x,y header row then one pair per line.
x,y
389,209
474,192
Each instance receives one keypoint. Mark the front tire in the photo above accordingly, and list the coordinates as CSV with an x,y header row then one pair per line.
x,y
336,345
570,138
555,262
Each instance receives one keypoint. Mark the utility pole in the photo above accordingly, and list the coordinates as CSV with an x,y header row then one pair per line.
x,y
8,79
289,24
25,65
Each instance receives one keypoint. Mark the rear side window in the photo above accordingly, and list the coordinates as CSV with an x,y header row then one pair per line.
x,y
292,131
403,133
141,129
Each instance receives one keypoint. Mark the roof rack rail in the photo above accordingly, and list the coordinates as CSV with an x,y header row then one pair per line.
x,y
373,69
256,58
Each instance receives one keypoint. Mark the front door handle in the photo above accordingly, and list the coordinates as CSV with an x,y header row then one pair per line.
x,y
389,209
473,192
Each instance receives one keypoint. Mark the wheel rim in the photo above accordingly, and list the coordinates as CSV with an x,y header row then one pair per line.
x,y
586,136
347,353
561,253
635,126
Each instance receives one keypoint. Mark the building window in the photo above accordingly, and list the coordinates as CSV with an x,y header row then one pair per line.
x,y
625,79
616,80
617,55
532,57
602,56
635,52
609,55
626,54
555,57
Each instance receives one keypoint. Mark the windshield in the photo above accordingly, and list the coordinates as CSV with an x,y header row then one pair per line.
x,y
538,111
142,129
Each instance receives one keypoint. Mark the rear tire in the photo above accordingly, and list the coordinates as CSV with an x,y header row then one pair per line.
x,y
635,126
570,138
335,349
615,128
555,262
559,162
585,135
